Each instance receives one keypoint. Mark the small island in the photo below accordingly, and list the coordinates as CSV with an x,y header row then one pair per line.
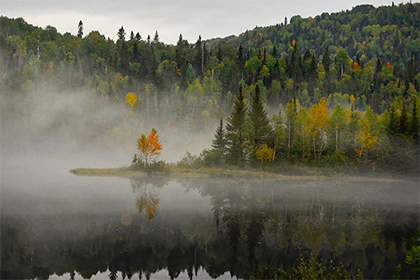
x,y
296,144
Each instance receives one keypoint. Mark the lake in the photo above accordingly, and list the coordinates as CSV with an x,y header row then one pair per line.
x,y
55,225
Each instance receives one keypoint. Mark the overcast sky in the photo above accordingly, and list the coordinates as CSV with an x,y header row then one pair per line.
x,y
208,18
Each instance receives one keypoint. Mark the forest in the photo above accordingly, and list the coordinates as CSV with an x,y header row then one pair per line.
x,y
335,89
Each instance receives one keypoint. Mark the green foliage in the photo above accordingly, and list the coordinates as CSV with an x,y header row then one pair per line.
x,y
153,167
261,129
235,131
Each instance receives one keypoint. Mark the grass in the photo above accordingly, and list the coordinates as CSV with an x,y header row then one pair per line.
x,y
174,171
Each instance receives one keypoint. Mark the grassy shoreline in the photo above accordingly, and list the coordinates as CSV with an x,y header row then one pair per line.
x,y
234,173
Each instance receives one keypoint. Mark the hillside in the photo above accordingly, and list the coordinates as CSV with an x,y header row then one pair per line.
x,y
366,59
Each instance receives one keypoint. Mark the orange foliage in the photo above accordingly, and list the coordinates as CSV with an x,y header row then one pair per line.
x,y
149,146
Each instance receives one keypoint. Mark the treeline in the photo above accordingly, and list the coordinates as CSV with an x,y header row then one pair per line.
x,y
371,53
337,136
343,87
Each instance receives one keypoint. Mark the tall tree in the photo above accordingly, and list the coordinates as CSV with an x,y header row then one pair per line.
x,y
318,125
121,33
291,112
138,36
259,120
235,131
219,144
156,37
337,127
80,29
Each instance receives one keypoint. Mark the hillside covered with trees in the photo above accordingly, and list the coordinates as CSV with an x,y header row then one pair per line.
x,y
340,87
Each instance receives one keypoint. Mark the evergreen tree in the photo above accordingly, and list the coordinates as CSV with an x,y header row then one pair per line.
x,y
132,35
235,131
219,144
199,58
291,112
403,125
326,61
240,62
414,120
121,33
156,38
80,29
259,120
138,36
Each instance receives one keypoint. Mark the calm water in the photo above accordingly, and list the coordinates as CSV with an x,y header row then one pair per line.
x,y
59,226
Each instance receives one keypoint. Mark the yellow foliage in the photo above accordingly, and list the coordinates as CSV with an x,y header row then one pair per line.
x,y
131,99
265,154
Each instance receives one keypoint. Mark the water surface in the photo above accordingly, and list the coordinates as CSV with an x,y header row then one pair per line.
x,y
59,226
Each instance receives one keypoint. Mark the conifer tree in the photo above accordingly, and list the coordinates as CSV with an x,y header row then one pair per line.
x,y
156,38
235,131
80,29
414,120
138,36
219,144
403,119
259,120
121,33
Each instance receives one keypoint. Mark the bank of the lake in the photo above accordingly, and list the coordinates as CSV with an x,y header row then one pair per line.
x,y
307,174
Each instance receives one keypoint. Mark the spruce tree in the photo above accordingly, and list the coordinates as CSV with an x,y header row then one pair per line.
x,y
259,120
235,131
80,29
121,33
219,144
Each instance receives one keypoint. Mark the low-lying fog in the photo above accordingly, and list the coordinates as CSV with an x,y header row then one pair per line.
x,y
54,223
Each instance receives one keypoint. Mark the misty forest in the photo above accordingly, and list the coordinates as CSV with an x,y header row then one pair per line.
x,y
286,152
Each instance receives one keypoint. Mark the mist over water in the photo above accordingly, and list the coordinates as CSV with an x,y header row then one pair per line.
x,y
54,223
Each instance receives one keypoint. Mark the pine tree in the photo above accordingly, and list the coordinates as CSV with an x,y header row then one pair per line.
x,y
235,131
138,36
121,33
156,38
259,120
80,29
219,144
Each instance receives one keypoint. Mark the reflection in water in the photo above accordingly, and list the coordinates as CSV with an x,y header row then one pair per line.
x,y
250,225
147,199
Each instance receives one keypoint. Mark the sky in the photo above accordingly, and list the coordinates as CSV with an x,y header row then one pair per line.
x,y
191,18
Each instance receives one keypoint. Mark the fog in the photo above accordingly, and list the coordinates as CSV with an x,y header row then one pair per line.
x,y
85,129
54,223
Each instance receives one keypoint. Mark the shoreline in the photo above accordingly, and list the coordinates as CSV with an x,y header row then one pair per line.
x,y
231,173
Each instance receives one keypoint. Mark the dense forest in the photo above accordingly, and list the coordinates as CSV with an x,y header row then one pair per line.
x,y
341,87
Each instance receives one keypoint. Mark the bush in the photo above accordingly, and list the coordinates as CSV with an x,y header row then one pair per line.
x,y
153,167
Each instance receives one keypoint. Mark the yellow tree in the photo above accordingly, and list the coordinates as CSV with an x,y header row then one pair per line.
x,y
317,126
149,147
265,154
131,99
366,140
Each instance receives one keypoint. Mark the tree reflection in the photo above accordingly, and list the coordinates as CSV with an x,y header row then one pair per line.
x,y
250,225
147,197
